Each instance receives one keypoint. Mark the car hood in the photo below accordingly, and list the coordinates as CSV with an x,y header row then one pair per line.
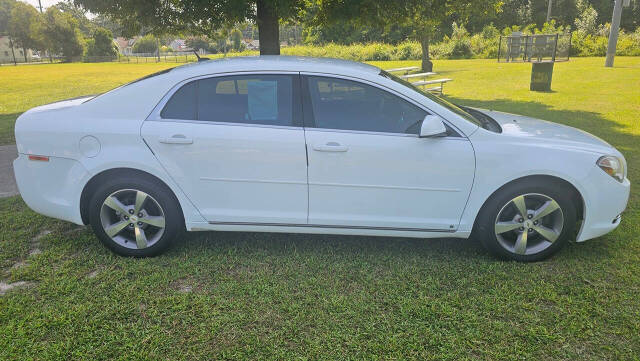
x,y
542,131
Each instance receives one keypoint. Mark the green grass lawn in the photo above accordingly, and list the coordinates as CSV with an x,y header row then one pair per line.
x,y
221,295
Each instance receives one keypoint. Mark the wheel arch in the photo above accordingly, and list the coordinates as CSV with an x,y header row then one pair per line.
x,y
87,191
576,197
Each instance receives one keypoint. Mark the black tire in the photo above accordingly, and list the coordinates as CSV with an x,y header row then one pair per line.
x,y
173,222
485,223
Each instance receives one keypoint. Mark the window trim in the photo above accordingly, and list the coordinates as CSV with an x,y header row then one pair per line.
x,y
309,121
297,111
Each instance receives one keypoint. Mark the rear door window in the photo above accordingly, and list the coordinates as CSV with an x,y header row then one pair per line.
x,y
247,99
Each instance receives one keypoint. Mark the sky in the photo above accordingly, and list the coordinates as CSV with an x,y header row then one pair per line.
x,y
45,3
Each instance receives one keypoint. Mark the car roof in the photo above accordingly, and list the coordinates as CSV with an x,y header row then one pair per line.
x,y
275,63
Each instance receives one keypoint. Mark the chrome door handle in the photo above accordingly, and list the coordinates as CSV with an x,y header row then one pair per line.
x,y
176,139
330,147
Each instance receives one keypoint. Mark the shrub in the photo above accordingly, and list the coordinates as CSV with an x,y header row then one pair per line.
x,y
489,32
408,50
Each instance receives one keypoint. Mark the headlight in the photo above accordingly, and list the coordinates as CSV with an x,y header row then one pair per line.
x,y
613,166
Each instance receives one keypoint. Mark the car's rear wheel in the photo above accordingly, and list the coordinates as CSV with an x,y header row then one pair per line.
x,y
134,217
527,221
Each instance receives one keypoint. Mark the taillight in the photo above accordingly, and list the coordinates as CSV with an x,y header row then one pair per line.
x,y
40,158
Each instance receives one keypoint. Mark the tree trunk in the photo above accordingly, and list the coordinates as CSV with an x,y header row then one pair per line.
x,y
24,52
427,65
13,53
268,28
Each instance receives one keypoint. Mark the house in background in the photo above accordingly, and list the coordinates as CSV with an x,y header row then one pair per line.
x,y
125,46
6,56
178,45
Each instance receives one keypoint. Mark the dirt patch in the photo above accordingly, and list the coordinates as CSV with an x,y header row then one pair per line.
x,y
93,274
183,285
19,264
35,242
34,249
6,287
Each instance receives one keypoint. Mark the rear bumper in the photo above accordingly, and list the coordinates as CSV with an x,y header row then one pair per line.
x,y
51,188
605,199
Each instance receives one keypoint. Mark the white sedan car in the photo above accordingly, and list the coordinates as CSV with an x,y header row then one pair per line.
x,y
292,144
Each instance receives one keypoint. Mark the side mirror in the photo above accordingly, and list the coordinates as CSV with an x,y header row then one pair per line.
x,y
432,126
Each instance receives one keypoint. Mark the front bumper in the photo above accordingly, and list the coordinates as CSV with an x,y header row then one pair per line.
x,y
605,199
51,187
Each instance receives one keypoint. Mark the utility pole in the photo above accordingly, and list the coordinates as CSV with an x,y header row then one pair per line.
x,y
40,6
613,34
549,11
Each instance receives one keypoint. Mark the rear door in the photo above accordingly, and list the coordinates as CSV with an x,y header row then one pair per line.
x,y
235,145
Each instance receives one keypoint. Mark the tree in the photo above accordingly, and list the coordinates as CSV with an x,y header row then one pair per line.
x,y
5,15
84,24
426,17
60,34
197,42
23,25
146,44
587,21
105,21
200,17
101,43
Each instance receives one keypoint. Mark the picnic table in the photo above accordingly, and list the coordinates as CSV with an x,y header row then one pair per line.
x,y
406,69
418,75
438,89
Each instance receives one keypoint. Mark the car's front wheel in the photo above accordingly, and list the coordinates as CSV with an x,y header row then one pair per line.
x,y
134,217
527,221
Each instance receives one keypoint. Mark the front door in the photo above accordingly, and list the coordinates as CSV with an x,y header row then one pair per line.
x,y
235,146
368,167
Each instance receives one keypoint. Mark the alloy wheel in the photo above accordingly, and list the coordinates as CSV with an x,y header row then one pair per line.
x,y
132,218
529,223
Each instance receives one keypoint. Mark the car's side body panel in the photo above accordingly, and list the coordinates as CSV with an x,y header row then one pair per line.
x,y
236,173
501,159
324,229
51,187
62,132
388,180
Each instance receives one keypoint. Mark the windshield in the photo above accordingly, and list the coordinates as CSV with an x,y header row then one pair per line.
x,y
445,103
